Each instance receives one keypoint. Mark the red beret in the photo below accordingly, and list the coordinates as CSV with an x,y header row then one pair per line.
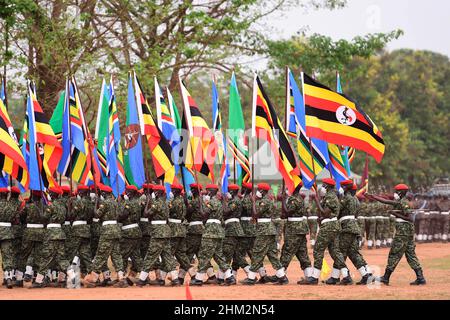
x,y
354,187
15,190
65,189
233,187
159,187
247,185
92,187
347,182
264,186
177,186
82,187
212,186
4,190
55,189
104,188
401,187
147,186
131,187
37,192
329,181
196,186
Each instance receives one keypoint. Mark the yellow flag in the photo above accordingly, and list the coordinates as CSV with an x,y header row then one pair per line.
x,y
325,270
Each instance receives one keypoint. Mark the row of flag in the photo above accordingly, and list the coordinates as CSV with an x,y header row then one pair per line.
x,y
327,126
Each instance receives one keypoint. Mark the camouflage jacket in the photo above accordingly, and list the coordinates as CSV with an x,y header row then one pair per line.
x,y
17,225
247,225
349,207
81,211
312,209
234,228
7,214
131,215
108,211
265,210
331,201
278,209
32,212
193,214
144,225
213,210
177,210
296,210
159,211
403,229
55,213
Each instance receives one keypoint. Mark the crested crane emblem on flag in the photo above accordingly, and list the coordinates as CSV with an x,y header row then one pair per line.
x,y
132,132
345,115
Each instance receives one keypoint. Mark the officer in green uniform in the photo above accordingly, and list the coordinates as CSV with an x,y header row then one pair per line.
x,y
328,235
212,240
6,237
109,242
157,211
403,243
17,226
313,223
177,217
295,242
131,233
53,251
265,242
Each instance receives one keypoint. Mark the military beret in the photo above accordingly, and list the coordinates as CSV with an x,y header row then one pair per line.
x,y
347,182
264,186
82,187
56,190
354,187
131,187
177,186
147,186
196,186
104,188
212,186
401,187
65,189
4,190
233,187
15,190
247,185
37,192
329,181
159,187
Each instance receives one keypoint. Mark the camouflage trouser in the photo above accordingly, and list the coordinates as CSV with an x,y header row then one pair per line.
x,y
230,248
53,253
386,227
264,246
349,247
193,243
371,224
313,227
379,229
106,248
391,227
68,244
178,249
95,237
159,247
244,248
403,245
81,247
211,248
328,238
295,245
16,247
7,254
143,246
361,224
279,226
129,247
29,253
445,227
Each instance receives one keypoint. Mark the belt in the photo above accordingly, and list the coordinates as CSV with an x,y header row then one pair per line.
x,y
231,220
296,219
445,213
78,222
246,218
379,217
313,217
391,216
143,220
264,220
175,220
159,222
361,217
107,222
400,220
427,213
130,226
328,220
95,219
346,218
5,224
35,225
386,218
67,223
277,219
195,223
53,225
434,212
213,221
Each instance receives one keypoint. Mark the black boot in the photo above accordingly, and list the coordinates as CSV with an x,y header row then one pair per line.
x,y
385,278
212,280
309,281
365,279
230,281
420,279
332,281
267,279
346,281
9,283
248,282
283,280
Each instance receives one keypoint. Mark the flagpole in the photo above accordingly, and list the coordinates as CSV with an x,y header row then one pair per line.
x,y
70,137
6,106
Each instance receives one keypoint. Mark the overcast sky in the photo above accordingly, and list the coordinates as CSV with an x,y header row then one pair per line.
x,y
426,23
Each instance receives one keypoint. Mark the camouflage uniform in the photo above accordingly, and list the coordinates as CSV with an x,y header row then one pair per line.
x,y
144,225
82,212
195,229
246,242
131,233
379,228
7,215
361,216
445,219
279,223
66,227
17,231
312,221
177,216
295,243
233,231
371,224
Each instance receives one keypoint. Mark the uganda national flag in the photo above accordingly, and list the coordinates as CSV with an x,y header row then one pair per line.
x,y
11,159
335,118
266,125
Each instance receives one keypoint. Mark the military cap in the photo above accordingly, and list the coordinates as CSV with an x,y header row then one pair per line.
x,y
401,187
65,189
159,187
82,187
15,190
4,190
247,185
329,182
233,187
104,188
212,186
354,187
132,188
196,186
147,186
177,186
347,182
264,186
55,189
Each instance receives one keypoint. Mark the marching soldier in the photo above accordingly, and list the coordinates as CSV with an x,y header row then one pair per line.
x,y
295,242
312,220
17,226
278,221
403,243
371,224
7,214
379,208
265,242
445,218
327,237
212,241
362,212
67,226
144,224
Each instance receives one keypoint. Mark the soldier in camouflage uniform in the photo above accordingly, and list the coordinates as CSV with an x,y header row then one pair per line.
x,y
17,231
361,216
328,235
158,213
67,226
6,237
312,220
212,241
278,221
53,251
245,243
445,218
403,243
233,229
109,242
177,216
265,242
144,224
295,242
95,225
371,224
379,208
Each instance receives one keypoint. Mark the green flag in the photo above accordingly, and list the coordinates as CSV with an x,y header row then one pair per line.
x,y
57,116
102,132
236,134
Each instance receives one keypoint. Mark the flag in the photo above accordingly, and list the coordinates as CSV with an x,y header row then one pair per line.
x,y
187,176
325,271
351,154
236,134
220,139
202,148
159,147
336,165
344,149
266,125
3,176
295,110
102,132
335,118
11,159
55,121
133,158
